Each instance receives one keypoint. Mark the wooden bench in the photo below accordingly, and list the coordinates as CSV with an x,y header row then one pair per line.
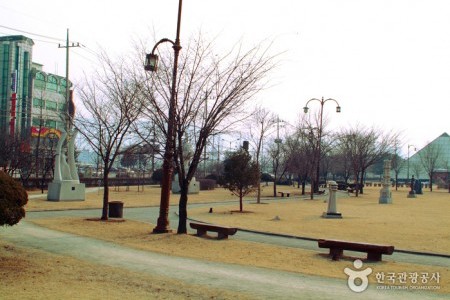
x,y
222,231
282,194
374,252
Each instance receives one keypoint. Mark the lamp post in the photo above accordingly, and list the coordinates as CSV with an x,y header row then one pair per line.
x,y
407,169
315,183
151,64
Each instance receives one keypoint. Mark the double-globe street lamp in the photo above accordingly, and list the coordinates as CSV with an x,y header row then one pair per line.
x,y
151,64
315,183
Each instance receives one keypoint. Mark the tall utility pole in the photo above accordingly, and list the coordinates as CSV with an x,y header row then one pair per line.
x,y
67,46
278,141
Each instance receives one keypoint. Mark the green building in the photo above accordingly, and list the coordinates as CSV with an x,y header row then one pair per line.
x,y
33,103
15,86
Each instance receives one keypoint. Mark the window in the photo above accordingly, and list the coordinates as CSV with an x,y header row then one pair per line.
x,y
51,105
52,83
39,81
36,122
38,103
50,123
62,107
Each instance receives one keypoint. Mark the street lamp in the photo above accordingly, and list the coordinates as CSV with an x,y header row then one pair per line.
x,y
315,185
151,64
407,169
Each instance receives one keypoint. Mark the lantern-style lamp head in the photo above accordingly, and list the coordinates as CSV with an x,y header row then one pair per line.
x,y
151,62
305,109
338,109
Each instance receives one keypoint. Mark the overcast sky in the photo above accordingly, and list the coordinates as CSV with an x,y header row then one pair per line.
x,y
387,62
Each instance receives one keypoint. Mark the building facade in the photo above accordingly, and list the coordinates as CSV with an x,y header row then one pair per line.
x,y
435,154
33,106
15,88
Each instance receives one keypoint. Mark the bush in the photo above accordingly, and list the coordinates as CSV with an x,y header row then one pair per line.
x,y
207,184
13,198
157,176
266,177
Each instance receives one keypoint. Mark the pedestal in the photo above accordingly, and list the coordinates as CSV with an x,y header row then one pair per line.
x,y
66,190
332,209
411,194
332,215
385,195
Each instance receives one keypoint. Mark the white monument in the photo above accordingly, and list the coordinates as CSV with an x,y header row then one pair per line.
x,y
66,185
194,185
332,210
385,192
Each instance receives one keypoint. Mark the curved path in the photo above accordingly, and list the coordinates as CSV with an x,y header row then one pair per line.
x,y
258,282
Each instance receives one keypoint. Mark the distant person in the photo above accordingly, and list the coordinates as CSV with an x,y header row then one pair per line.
x,y
412,184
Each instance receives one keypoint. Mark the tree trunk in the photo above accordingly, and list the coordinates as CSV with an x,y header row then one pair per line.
x,y
182,209
105,195
258,195
361,185
240,200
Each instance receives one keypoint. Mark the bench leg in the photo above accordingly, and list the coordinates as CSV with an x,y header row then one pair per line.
x,y
374,256
201,232
221,235
336,254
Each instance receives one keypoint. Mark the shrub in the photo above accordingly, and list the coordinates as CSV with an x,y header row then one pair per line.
x,y
157,176
13,198
207,184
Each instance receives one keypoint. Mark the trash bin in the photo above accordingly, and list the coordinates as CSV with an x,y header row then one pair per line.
x,y
115,209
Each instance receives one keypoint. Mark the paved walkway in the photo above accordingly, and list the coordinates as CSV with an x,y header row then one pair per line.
x,y
258,282
262,283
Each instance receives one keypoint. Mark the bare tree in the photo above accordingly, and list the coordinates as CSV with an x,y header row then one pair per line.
x,y
364,147
261,123
211,96
112,102
298,152
430,158
10,154
279,156
397,162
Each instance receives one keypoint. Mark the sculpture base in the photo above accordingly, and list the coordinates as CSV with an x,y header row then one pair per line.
x,y
194,186
66,190
411,195
385,196
332,215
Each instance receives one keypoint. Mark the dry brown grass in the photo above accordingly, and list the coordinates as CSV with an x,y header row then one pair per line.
x,y
418,224
32,274
131,197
